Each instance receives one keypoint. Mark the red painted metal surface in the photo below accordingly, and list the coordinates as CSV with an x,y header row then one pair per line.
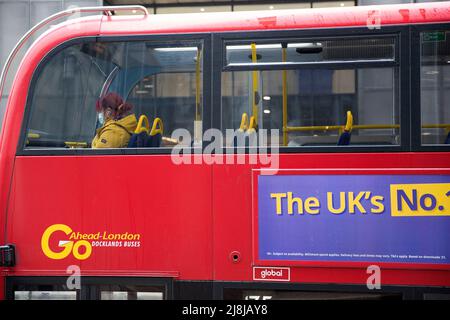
x,y
282,19
168,206
190,217
235,218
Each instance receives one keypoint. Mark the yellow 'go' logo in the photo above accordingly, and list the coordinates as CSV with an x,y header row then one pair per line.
x,y
69,246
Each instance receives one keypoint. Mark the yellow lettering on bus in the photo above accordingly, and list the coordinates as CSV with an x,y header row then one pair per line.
x,y
278,197
69,246
46,238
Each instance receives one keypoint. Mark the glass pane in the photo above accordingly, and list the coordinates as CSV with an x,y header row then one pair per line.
x,y
303,51
149,295
65,94
243,294
311,105
435,87
94,94
125,292
45,295
113,295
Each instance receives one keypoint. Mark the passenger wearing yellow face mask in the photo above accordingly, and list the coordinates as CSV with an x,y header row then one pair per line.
x,y
119,125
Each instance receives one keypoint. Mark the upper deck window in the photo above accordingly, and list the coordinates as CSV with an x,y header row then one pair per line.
x,y
435,87
316,92
159,80
311,51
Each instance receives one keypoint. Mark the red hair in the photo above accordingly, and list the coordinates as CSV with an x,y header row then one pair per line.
x,y
115,102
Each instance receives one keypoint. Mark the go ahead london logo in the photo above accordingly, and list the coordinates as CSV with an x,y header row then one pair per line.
x,y
59,241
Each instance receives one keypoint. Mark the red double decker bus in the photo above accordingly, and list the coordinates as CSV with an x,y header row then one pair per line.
x,y
295,154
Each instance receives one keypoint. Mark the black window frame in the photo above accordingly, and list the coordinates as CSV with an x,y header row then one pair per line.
x,y
402,57
205,38
416,110
308,65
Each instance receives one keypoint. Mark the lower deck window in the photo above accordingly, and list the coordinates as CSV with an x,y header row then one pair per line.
x,y
45,295
244,294
92,288
116,292
123,295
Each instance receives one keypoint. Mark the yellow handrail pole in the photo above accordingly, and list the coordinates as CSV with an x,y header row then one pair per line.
x,y
339,127
312,128
32,135
75,144
376,126
285,110
363,126
436,126
197,86
255,84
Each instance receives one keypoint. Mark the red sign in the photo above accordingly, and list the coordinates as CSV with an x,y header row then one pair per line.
x,y
271,274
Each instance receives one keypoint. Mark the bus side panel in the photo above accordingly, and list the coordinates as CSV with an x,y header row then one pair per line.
x,y
232,228
233,194
140,215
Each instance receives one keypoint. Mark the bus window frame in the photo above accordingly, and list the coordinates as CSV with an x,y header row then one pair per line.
x,y
363,63
90,285
408,98
416,111
403,91
205,38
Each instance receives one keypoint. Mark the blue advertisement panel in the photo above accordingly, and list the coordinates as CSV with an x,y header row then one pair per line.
x,y
351,218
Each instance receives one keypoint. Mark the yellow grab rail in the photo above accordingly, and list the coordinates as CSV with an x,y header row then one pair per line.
x,y
75,144
349,124
244,122
436,126
340,127
155,129
362,126
141,126
252,126
32,135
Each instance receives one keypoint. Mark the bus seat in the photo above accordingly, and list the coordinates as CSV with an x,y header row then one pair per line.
x,y
156,133
140,135
143,137
345,137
